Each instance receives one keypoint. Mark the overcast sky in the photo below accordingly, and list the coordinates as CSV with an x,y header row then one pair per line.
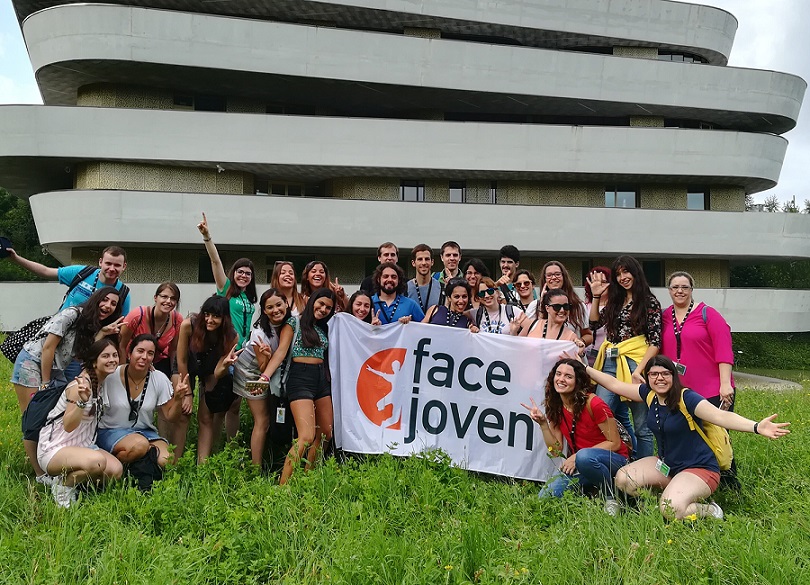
x,y
772,34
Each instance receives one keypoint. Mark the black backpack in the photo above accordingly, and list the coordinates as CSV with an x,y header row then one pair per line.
x,y
479,315
42,403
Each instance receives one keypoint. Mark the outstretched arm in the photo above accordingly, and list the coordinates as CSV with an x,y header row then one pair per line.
x,y
35,267
734,422
213,254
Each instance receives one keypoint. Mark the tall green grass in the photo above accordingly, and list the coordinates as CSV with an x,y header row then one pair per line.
x,y
388,520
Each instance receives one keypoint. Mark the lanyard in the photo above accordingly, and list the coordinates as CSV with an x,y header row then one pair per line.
x,y
157,334
453,318
545,330
390,317
678,329
489,323
662,450
135,405
419,294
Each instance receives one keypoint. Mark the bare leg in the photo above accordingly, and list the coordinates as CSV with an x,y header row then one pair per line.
x,y
304,416
232,418
210,425
640,474
163,452
79,464
261,422
131,448
324,418
680,497
24,394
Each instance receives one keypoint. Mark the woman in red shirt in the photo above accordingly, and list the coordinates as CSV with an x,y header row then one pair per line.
x,y
582,420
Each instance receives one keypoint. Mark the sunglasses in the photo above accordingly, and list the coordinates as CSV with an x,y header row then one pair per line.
x,y
524,283
486,293
560,307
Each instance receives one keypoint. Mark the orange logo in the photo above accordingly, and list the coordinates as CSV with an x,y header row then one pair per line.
x,y
375,385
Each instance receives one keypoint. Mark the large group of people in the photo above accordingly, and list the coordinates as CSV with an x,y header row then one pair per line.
x,y
639,376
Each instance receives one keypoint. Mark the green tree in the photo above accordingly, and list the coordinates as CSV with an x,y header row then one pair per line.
x,y
749,202
806,208
772,204
790,206
17,224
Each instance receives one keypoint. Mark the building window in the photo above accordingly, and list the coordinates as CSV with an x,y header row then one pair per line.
x,y
654,271
458,191
626,197
288,189
697,199
412,191
493,192
680,57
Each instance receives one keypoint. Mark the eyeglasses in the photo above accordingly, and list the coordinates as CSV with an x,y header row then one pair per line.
x,y
553,275
486,293
243,272
560,307
662,374
471,273
163,297
683,287
523,283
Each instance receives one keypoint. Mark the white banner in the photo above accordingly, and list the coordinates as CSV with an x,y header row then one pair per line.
x,y
406,388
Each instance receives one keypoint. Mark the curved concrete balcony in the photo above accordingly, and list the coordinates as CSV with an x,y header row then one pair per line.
x,y
676,26
37,144
304,224
377,74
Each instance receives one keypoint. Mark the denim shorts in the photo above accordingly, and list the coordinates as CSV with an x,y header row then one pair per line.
x,y
27,371
307,382
107,439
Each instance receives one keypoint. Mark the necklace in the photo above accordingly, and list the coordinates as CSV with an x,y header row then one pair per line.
x,y
157,334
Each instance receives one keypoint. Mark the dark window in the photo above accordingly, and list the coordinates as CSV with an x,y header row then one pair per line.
x,y
697,199
622,196
458,191
206,273
654,271
209,103
412,191
680,57
184,102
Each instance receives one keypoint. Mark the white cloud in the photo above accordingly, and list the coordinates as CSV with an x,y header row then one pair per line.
x,y
15,92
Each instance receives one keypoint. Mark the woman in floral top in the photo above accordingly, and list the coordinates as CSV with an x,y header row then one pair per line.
x,y
632,321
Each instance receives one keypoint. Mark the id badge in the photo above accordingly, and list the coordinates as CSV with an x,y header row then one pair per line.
x,y
280,414
662,467
612,352
592,352
680,368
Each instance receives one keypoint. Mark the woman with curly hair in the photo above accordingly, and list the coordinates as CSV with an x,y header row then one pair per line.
x,y
582,420
315,276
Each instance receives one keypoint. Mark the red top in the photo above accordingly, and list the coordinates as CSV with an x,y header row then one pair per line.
x,y
587,432
139,321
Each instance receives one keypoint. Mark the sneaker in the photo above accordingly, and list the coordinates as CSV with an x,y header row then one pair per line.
x,y
63,495
45,479
612,507
715,511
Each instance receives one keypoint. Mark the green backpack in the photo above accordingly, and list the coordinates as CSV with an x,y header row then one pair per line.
x,y
716,437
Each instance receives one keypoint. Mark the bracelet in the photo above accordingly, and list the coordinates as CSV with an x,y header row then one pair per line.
x,y
596,296
756,424
264,377
206,239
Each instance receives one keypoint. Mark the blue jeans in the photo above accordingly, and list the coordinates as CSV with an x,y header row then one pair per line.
x,y
641,436
595,468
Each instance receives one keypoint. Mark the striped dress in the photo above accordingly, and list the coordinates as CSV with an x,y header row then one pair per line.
x,y
53,437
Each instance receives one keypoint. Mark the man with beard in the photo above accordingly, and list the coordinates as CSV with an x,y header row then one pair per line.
x,y
423,289
389,301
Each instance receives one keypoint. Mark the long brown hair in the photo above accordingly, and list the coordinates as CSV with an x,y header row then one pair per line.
x,y
223,338
582,389
275,282
640,292
577,313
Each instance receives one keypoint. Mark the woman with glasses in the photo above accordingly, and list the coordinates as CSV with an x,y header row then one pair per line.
x,y
632,320
473,271
526,294
283,280
239,288
161,320
131,396
551,320
315,276
492,316
686,468
555,275
452,314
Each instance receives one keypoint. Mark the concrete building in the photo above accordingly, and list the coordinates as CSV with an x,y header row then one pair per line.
x,y
573,129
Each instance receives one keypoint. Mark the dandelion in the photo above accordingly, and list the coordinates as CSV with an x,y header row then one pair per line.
x,y
691,518
448,567
669,541
524,570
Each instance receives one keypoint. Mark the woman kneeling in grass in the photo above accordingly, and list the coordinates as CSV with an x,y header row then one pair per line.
x,y
574,414
686,468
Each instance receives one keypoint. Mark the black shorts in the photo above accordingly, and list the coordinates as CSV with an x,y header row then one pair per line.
x,y
307,382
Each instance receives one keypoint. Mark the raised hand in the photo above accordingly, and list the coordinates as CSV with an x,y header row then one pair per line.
x,y
598,283
232,356
534,412
375,319
772,430
183,388
112,328
83,388
263,349
203,227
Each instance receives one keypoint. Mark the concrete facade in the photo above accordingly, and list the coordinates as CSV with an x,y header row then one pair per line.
x,y
303,129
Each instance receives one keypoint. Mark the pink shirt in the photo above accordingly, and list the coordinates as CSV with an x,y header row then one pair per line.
x,y
703,347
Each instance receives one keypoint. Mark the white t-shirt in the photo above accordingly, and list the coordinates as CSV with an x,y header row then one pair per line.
x,y
116,402
494,323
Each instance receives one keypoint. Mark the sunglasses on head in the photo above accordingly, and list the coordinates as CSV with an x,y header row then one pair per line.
x,y
486,293
560,307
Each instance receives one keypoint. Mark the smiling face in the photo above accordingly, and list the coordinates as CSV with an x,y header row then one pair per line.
x,y
107,361
275,307
659,379
680,291
490,298
142,356
557,311
361,307
322,308
242,276
389,281
317,276
624,278
107,305
111,267
508,267
565,380
524,286
286,276
554,276
423,263
459,299
212,321
473,277
165,300
450,258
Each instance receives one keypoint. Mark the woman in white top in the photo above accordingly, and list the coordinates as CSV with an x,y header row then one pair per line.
x,y
527,296
492,316
66,447
131,397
